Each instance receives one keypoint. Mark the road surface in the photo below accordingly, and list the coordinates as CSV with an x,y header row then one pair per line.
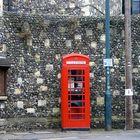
x,y
72,135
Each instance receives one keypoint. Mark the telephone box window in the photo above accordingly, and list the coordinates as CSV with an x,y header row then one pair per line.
x,y
76,95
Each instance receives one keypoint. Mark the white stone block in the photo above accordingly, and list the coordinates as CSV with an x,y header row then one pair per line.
x,y
37,74
47,43
40,81
59,75
62,29
78,37
57,56
1,8
94,45
135,70
29,41
91,75
116,92
135,107
86,2
21,61
4,48
52,2
20,104
30,110
49,67
86,10
62,10
37,57
104,50
17,91
19,80
100,101
102,38
2,122
56,110
3,98
103,79
112,70
116,61
43,88
68,43
88,32
122,78
100,26
72,5
41,103
2,105
92,63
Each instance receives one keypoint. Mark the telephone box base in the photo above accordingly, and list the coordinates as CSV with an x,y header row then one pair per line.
x,y
75,129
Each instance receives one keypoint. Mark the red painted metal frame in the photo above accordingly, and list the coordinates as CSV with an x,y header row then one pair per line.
x,y
72,116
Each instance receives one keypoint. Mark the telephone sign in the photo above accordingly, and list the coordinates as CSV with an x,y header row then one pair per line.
x,y
76,62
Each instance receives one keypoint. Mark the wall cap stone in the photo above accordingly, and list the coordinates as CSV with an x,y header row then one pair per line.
x,y
3,97
30,110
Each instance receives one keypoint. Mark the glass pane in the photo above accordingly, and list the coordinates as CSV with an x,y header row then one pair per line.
x,y
76,104
136,6
77,110
77,116
76,91
76,81
76,97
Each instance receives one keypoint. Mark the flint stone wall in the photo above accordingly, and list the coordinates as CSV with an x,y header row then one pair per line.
x,y
63,7
35,46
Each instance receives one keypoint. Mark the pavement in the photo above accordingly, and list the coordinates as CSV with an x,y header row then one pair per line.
x,y
72,135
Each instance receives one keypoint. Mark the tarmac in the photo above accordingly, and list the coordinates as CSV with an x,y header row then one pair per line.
x,y
72,135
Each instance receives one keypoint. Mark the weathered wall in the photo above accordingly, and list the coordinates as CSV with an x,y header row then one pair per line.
x,y
63,7
35,46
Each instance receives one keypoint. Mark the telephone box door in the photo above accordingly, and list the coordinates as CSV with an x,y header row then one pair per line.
x,y
75,96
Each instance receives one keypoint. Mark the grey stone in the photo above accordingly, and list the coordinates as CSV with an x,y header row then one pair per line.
x,y
2,122
20,104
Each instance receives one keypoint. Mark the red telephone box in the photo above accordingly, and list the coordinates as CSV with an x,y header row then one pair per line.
x,y
75,92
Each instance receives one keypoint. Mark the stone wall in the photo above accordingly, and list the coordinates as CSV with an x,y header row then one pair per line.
x,y
63,7
35,46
